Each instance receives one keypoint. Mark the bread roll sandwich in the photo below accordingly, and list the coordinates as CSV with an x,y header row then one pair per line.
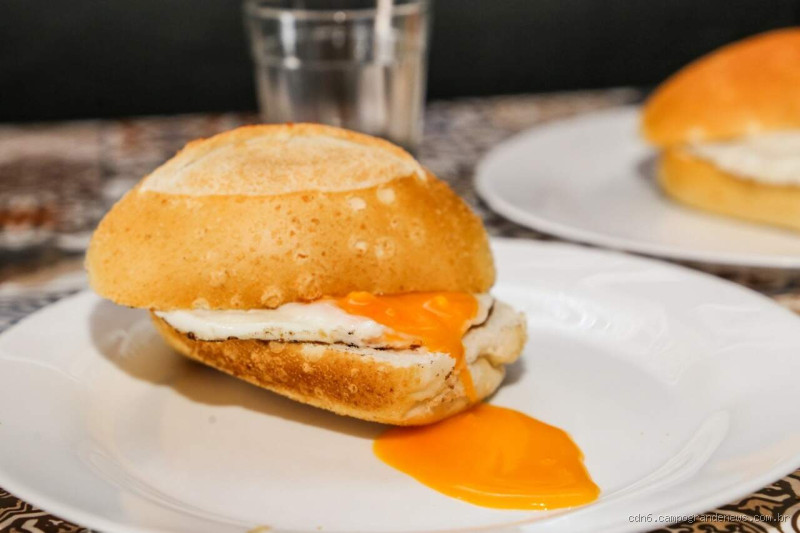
x,y
322,264
729,129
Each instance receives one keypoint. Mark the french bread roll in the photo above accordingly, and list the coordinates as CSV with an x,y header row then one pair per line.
x,y
274,216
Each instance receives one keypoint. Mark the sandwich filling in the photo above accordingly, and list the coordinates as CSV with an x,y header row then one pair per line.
x,y
359,319
435,321
771,158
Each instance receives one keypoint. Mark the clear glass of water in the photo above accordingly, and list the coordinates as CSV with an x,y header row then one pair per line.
x,y
357,64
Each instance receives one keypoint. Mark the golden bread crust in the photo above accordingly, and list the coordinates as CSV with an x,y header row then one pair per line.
x,y
271,159
742,88
400,388
165,251
698,183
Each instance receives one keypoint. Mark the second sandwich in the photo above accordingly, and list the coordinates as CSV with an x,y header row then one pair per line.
x,y
729,127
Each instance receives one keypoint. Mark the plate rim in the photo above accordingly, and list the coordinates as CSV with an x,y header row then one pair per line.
x,y
22,490
529,219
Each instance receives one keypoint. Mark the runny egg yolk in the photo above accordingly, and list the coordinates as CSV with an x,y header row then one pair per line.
x,y
438,320
492,457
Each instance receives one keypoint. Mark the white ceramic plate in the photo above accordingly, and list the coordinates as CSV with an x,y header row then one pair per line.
x,y
680,388
591,179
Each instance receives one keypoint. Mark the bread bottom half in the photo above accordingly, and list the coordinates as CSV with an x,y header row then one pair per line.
x,y
399,387
700,184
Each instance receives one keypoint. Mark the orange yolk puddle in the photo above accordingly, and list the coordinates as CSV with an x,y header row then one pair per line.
x,y
492,457
488,456
436,319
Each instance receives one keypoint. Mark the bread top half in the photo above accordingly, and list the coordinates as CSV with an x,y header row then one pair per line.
x,y
744,88
265,215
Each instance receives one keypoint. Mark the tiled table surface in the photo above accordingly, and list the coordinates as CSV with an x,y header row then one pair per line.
x,y
56,181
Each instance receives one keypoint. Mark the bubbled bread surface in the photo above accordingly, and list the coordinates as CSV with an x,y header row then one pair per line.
x,y
185,240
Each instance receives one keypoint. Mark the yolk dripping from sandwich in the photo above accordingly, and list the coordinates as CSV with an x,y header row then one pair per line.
x,y
438,320
488,456
492,457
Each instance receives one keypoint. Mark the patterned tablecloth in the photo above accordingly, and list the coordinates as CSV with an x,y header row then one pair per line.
x,y
56,181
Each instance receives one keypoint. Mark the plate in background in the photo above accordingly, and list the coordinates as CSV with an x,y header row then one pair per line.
x,y
591,179
679,387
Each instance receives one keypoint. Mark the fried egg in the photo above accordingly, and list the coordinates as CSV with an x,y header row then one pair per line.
x,y
772,158
327,321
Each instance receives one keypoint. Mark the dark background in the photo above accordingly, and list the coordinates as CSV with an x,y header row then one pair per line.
x,y
91,58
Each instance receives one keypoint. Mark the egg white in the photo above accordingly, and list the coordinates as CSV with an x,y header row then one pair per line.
x,y
320,321
772,158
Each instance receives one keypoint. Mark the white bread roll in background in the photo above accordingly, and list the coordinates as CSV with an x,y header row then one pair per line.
x,y
746,90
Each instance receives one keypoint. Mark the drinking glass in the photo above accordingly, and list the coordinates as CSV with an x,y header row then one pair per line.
x,y
356,64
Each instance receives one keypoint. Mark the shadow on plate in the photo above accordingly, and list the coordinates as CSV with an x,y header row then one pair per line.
x,y
128,340
514,373
647,167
